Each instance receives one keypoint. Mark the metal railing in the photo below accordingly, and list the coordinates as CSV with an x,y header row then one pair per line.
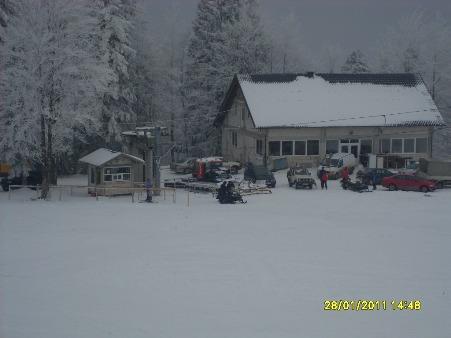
x,y
98,190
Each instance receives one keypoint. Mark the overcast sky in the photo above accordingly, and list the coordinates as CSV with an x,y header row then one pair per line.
x,y
349,23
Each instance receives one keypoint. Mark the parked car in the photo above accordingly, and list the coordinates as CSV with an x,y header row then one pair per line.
x,y
366,175
255,173
185,167
300,178
408,182
232,166
334,164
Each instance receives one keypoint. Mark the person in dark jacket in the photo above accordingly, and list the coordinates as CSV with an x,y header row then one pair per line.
x,y
222,191
374,179
149,190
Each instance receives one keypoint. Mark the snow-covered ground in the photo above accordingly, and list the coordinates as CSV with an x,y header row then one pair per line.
x,y
112,268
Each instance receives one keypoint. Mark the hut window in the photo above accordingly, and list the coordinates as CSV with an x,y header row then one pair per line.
x,y
117,174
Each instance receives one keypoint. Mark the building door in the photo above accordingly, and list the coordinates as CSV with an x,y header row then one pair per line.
x,y
350,146
355,150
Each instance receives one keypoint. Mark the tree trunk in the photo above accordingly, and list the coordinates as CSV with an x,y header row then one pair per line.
x,y
45,181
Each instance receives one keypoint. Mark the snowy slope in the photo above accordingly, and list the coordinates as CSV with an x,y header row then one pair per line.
x,y
315,102
81,268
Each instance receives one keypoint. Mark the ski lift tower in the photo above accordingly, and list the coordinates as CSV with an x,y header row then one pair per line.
x,y
147,141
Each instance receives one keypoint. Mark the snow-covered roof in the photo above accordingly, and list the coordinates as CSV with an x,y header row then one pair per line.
x,y
102,156
329,100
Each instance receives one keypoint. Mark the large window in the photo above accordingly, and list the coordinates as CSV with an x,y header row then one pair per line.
x,y
117,174
421,145
331,146
313,147
366,146
396,145
409,145
287,148
299,147
385,146
274,148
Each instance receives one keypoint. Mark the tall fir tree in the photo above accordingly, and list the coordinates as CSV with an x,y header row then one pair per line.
x,y
115,50
356,63
227,39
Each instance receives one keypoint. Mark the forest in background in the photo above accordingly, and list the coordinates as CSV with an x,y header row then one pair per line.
x,y
75,73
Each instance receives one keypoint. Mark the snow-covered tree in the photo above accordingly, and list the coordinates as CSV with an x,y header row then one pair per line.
x,y
419,43
115,50
227,38
355,63
8,8
50,82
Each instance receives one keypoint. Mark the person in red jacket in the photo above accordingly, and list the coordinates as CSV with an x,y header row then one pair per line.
x,y
345,174
324,177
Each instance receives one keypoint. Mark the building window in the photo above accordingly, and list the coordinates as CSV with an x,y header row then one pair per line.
x,y
274,148
234,139
313,147
396,145
287,148
331,146
259,147
118,174
385,146
299,147
409,145
421,145
366,146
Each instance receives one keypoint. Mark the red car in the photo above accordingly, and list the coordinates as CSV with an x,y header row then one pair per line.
x,y
408,182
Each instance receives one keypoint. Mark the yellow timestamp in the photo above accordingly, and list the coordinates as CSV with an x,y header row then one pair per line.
x,y
372,305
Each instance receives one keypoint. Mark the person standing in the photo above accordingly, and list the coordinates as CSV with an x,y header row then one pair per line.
x,y
374,179
149,190
323,177
345,174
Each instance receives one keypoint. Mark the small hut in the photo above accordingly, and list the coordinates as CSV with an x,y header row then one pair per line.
x,y
112,169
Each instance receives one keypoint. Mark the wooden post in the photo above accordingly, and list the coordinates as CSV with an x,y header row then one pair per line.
x,y
187,199
164,194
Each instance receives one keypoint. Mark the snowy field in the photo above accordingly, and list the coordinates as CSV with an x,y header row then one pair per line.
x,y
112,268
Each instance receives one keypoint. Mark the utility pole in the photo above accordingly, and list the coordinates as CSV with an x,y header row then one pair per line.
x,y
156,160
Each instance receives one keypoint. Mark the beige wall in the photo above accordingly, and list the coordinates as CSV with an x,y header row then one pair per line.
x,y
247,136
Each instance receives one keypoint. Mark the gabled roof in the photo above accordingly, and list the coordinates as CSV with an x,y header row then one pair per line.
x,y
330,100
102,156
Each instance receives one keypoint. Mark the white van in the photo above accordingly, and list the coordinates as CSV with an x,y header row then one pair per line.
x,y
334,164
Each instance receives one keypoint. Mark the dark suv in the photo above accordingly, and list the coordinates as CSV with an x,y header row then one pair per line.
x,y
255,173
366,175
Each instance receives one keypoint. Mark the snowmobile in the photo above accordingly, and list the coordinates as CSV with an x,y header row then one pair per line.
x,y
354,186
227,194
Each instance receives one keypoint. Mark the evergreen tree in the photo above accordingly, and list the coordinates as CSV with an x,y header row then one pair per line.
x,y
355,63
8,8
115,50
227,39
